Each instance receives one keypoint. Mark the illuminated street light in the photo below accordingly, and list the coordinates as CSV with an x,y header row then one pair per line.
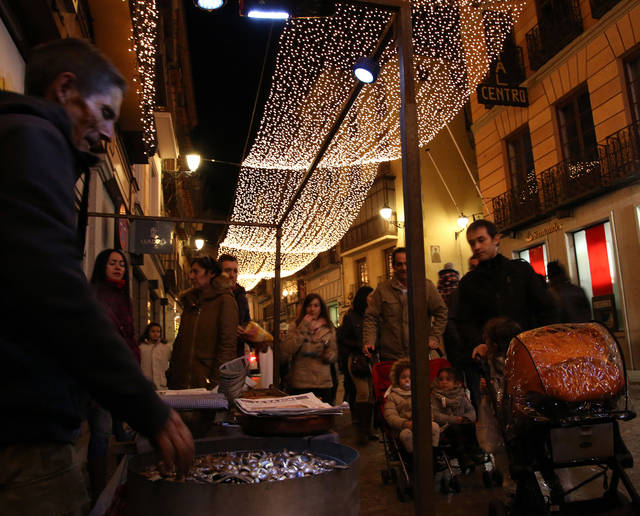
x,y
366,70
193,162
267,15
198,240
463,221
209,5
386,212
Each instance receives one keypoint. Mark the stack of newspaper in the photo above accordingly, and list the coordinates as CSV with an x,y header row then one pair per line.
x,y
190,399
302,404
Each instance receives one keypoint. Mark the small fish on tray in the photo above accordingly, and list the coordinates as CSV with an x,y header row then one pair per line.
x,y
247,468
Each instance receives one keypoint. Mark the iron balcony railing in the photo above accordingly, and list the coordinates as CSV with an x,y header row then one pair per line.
x,y
600,7
367,231
620,156
616,164
553,32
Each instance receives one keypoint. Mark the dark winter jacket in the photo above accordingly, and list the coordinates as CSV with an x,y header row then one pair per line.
x,y
501,287
117,303
572,303
448,406
207,336
349,335
57,344
244,316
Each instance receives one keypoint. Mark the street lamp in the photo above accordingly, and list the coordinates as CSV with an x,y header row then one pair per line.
x,y
386,212
198,240
463,221
366,70
193,162
209,5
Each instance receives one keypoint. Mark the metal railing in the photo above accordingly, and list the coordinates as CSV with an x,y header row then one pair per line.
x,y
616,164
370,229
554,32
600,7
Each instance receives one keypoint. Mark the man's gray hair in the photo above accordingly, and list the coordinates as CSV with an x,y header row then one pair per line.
x,y
94,72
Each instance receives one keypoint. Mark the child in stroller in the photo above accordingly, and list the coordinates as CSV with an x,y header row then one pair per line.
x,y
452,410
397,405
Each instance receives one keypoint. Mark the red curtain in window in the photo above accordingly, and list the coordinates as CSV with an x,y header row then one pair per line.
x,y
598,261
536,259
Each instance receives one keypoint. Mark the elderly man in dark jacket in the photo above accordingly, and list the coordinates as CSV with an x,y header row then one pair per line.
x,y
57,345
497,287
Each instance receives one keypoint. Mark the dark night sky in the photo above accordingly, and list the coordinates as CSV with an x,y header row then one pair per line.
x,y
227,53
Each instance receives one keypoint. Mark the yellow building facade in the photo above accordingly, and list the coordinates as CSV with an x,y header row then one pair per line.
x,y
560,175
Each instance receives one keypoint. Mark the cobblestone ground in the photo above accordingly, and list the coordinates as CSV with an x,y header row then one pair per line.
x,y
474,498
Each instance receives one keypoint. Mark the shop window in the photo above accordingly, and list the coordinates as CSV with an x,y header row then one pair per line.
x,y
577,133
362,272
522,174
597,272
632,71
332,308
537,257
388,263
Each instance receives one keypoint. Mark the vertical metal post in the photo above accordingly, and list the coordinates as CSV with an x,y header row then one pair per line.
x,y
276,310
417,294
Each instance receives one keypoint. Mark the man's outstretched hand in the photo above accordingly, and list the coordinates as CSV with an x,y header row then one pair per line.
x,y
176,444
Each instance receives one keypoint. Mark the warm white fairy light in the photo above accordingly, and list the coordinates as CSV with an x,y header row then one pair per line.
x,y
454,43
144,18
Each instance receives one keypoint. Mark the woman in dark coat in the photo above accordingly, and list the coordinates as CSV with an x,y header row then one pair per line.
x,y
350,346
207,336
110,281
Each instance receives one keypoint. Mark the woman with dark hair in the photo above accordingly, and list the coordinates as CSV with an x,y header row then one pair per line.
x,y
311,345
350,342
207,335
154,355
110,281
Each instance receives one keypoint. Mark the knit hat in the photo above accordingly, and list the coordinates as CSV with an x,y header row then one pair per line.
x,y
448,267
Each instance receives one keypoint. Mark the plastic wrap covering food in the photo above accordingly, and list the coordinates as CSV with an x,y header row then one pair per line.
x,y
569,367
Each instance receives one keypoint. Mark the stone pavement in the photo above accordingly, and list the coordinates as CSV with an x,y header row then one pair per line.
x,y
379,499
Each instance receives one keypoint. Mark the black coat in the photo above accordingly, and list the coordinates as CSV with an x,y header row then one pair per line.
x,y
57,345
500,288
349,335
572,303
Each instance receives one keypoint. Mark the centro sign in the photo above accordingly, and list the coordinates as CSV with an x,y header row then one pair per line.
x,y
497,95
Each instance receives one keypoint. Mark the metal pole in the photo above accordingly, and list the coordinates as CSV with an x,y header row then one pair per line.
x,y
417,292
277,287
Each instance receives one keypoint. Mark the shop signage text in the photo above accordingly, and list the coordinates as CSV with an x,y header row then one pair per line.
x,y
497,95
540,233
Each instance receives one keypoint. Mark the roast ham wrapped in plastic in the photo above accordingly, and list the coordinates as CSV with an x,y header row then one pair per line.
x,y
573,363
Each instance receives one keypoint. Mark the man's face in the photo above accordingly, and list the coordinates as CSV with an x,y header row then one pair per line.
x,y
231,269
93,117
483,246
400,267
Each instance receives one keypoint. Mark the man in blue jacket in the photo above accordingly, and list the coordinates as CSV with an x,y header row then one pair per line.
x,y
57,346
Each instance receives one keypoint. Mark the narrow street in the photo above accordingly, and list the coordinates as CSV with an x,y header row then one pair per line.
x,y
474,498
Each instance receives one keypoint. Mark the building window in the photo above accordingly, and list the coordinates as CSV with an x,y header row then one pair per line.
x,y
537,257
597,272
388,263
632,69
520,155
577,133
362,273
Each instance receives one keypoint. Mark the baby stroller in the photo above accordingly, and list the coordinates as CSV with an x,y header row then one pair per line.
x,y
565,391
398,461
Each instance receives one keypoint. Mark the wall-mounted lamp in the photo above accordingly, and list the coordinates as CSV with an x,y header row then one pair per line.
x,y
386,212
209,5
194,160
199,240
285,293
463,221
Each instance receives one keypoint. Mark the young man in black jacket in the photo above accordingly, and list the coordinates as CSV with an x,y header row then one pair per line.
x,y
57,345
497,287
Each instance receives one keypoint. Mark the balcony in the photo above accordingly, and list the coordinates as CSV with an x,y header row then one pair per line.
x,y
366,232
600,7
553,32
572,181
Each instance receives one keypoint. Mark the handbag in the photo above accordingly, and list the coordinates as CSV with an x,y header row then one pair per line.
x,y
360,366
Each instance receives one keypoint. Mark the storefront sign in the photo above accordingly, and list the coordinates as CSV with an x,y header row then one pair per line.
x,y
151,237
497,95
541,233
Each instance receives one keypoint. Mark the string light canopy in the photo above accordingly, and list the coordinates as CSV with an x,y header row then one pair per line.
x,y
144,22
454,43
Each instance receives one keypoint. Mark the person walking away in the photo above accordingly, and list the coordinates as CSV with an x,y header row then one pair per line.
x,y
357,380
207,337
48,139
386,320
110,282
570,300
154,356
311,347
